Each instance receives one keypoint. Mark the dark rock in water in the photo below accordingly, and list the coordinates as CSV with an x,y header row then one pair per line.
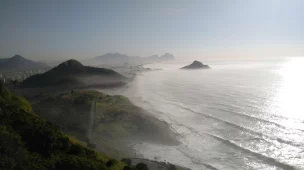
x,y
196,65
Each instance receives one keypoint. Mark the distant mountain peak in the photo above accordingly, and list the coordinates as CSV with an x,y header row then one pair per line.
x,y
167,56
71,66
17,62
72,63
113,55
18,56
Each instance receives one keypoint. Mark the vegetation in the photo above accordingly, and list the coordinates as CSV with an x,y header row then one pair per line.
x,y
1,86
116,119
70,73
141,166
27,141
127,161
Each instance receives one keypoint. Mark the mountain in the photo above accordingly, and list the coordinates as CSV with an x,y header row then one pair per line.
x,y
73,74
167,56
196,65
117,58
18,62
113,56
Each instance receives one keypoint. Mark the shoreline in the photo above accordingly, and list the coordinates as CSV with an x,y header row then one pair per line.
x,y
165,135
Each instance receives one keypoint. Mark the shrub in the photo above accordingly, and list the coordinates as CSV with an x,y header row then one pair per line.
x,y
127,161
111,162
172,167
1,86
141,166
91,145
77,163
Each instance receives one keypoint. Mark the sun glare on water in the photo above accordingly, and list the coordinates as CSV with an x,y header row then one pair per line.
x,y
289,98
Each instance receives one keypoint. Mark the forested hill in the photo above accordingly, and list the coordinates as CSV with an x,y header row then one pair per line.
x,y
73,73
27,141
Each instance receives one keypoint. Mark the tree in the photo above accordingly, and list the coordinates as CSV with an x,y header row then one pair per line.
x,y
141,166
1,86
127,161
172,167
111,162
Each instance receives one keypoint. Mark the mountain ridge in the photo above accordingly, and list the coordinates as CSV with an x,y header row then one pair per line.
x,y
73,73
17,62
118,58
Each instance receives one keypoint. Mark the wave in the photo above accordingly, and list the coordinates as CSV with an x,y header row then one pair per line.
x,y
261,135
193,160
240,114
266,159
252,117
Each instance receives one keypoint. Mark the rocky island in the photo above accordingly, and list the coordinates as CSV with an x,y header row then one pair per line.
x,y
196,65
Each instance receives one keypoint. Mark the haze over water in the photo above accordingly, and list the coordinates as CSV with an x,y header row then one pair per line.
x,y
238,115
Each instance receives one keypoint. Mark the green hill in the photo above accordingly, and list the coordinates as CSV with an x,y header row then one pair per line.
x,y
73,74
116,120
28,142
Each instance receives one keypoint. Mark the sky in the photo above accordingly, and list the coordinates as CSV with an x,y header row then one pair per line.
x,y
189,29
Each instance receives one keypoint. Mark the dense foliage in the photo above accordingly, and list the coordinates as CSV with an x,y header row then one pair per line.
x,y
27,141
142,166
115,121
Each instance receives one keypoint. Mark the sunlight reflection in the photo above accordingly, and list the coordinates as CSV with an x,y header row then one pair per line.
x,y
288,102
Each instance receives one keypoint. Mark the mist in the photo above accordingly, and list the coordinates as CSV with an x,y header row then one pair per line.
x,y
159,85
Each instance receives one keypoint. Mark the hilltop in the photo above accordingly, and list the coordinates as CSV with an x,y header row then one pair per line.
x,y
17,63
72,73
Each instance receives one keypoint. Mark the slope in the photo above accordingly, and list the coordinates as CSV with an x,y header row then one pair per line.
x,y
27,141
73,73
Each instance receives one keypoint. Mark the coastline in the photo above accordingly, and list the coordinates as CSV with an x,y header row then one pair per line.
x,y
162,132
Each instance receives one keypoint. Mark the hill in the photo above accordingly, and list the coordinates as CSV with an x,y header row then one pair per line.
x,y
18,62
116,120
196,65
72,73
27,141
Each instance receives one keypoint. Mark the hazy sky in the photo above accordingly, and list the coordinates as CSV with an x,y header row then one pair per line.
x,y
207,29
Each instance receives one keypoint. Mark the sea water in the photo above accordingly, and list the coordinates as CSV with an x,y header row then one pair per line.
x,y
237,115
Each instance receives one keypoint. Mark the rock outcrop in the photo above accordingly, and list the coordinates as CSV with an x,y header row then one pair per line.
x,y
196,65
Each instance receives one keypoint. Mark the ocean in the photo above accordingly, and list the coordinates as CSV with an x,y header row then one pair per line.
x,y
237,115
